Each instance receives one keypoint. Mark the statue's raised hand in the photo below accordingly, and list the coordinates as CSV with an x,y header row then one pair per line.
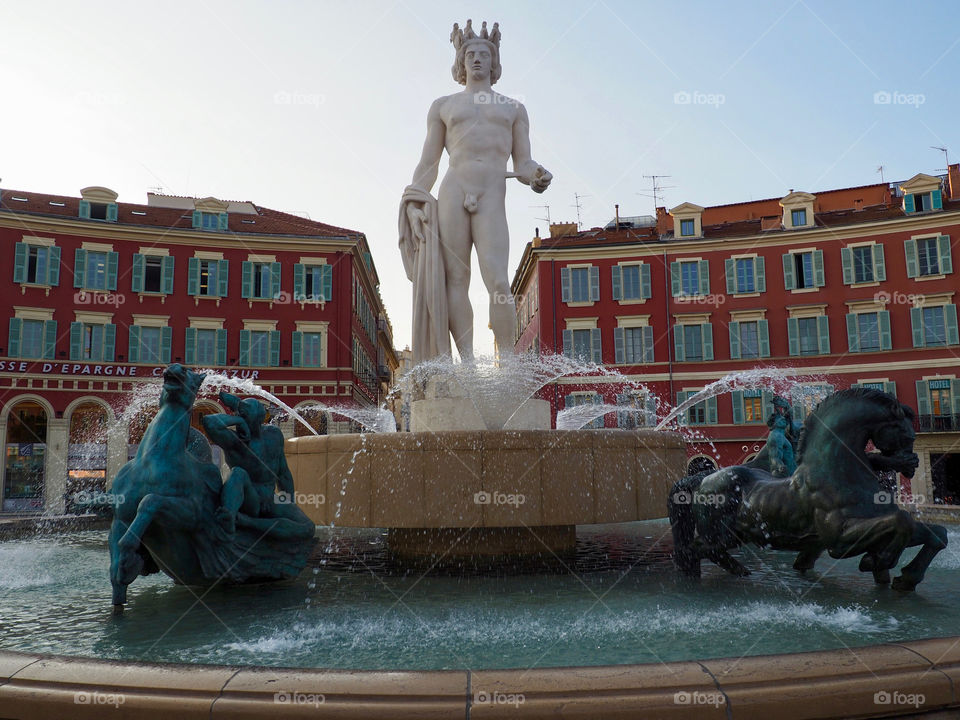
x,y
540,179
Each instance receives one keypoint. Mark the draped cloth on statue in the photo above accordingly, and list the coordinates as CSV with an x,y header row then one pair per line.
x,y
423,263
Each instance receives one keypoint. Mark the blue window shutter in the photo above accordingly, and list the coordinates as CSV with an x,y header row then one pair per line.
x,y
568,400
823,333
598,352
846,257
13,339
223,275
221,347
274,279
79,267
594,283
675,285
937,199
908,204
704,288
327,278
136,277
788,281
945,257
20,263
678,343
568,343
246,279
297,359
244,347
950,320
712,411
616,282
763,336
133,344
53,268
916,323
910,251
76,340
706,330
166,272
879,266
890,388
190,345
166,341
113,259
112,212
760,274
84,209
197,219
853,333
109,342
619,356
299,282
193,276
737,398
923,397
223,221
730,271
734,329
818,276
49,339
955,396
883,321
565,284
645,290
275,348
793,336
646,336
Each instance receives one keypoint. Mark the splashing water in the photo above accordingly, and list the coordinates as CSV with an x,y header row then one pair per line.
x,y
214,382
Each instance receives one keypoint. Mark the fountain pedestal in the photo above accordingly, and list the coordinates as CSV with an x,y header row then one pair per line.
x,y
441,403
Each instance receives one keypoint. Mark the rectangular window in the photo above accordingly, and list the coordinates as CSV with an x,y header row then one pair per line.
x,y
630,275
576,400
95,277
687,227
921,202
702,413
581,345
745,276
809,337
209,277
752,406
928,256
152,273
868,330
934,327
798,218
259,347
692,342
37,263
91,347
940,400
639,410
312,349
150,344
261,281
863,264
314,282
690,278
804,269
580,284
749,340
633,345
31,339
806,398
206,347
210,221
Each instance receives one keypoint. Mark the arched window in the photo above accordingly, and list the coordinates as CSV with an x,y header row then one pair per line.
x,y
23,471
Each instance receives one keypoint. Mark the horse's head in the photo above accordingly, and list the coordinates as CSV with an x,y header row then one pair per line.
x,y
894,438
180,385
252,411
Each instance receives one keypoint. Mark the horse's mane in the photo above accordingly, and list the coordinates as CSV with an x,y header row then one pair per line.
x,y
897,409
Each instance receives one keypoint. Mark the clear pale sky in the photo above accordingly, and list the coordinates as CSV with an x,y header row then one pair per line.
x,y
320,107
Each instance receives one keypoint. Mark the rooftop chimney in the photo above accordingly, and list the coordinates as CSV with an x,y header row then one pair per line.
x,y
616,210
953,180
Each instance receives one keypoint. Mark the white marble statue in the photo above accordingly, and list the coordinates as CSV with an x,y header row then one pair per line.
x,y
480,130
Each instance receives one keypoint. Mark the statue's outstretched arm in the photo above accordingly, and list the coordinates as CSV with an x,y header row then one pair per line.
x,y
528,170
217,427
426,173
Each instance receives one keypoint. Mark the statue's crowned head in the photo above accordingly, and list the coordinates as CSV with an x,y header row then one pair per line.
x,y
465,39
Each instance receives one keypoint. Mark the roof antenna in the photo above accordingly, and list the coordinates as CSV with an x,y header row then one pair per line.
x,y
545,207
946,158
880,170
578,205
657,189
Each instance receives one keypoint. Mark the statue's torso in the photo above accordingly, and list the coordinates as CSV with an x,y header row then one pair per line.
x,y
479,135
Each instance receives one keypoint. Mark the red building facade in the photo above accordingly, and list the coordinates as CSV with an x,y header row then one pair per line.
x,y
100,296
841,288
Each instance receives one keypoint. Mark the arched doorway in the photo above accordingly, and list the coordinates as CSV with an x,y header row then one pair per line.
x,y
87,459
23,471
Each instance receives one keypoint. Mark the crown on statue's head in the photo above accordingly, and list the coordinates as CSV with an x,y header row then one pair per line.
x,y
460,36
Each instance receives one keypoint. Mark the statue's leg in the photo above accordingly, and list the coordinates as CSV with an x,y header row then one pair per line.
x,y
123,565
934,539
492,239
287,523
807,558
455,244
882,538
179,512
237,494
725,560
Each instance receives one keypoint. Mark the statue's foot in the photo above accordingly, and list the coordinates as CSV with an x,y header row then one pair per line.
x,y
903,584
227,520
881,577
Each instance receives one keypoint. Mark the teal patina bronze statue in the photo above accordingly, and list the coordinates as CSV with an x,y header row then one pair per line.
x,y
173,512
832,502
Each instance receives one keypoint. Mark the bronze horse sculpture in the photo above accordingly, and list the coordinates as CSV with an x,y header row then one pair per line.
x,y
831,503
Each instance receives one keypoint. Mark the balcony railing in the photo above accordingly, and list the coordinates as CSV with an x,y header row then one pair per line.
x,y
937,423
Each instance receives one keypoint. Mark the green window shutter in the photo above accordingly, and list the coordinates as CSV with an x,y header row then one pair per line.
x,y
818,276
221,347
923,397
49,339
136,277
223,275
763,336
704,268
678,343
734,329
910,251
793,335
950,320
595,346
274,279
20,263
706,330
13,339
908,205
190,346
326,276
166,274
879,266
618,352
647,339
712,411
299,282
916,324
565,284
737,397
297,358
936,198
853,333
53,267
846,257
886,337
85,209
193,276
244,347
275,348
788,280
76,340
197,219
890,388
568,343
646,291
594,283
109,342
731,272
616,280
760,274
675,286
112,212
113,259
943,250
133,344
823,332
79,267
166,342
223,221
246,282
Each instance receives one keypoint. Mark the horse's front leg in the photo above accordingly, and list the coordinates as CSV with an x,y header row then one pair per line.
x,y
882,538
807,558
934,539
123,564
